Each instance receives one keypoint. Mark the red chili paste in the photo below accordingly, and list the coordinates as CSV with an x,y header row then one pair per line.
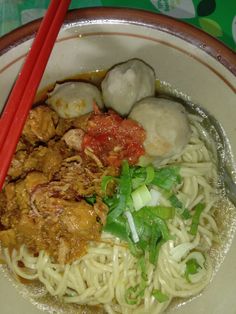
x,y
114,139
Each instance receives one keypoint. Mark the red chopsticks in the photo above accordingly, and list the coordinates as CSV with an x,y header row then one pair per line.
x,y
21,98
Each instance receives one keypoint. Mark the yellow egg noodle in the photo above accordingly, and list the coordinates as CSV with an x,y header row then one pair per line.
x,y
104,274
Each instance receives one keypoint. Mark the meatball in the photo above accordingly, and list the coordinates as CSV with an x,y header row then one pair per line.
x,y
74,99
166,124
127,83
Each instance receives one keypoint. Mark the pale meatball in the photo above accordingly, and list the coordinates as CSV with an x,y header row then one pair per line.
x,y
127,83
166,124
74,99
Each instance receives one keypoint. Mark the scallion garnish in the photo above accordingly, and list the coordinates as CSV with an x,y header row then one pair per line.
x,y
196,217
131,296
153,252
150,174
175,202
166,178
118,227
160,296
90,199
192,268
105,181
124,192
132,226
141,197
130,216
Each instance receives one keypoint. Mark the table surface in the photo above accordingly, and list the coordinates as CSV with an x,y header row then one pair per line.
x,y
215,17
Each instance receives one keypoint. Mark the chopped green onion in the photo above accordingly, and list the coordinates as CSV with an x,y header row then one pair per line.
x,y
196,217
134,249
132,219
155,195
178,204
123,193
163,228
167,178
192,268
105,181
131,223
141,197
134,294
90,199
162,212
181,250
111,201
143,267
153,252
160,296
158,247
118,227
131,295
150,175
142,175
144,230
175,201
186,214
150,213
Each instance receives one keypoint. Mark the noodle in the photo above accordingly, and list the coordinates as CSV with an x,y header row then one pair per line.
x,y
108,270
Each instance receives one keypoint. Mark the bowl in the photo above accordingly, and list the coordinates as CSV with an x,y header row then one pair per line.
x,y
186,58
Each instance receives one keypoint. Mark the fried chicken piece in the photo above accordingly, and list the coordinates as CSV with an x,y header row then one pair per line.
x,y
65,124
40,125
8,238
17,165
10,212
74,138
82,122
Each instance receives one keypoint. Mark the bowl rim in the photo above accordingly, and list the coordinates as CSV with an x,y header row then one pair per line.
x,y
212,46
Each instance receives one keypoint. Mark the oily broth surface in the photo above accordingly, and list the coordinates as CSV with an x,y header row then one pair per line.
x,y
225,215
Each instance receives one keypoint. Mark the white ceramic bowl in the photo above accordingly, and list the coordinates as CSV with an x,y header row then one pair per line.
x,y
188,59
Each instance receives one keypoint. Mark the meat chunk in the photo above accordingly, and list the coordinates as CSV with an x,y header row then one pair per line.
x,y
79,218
51,162
11,201
66,124
40,125
33,179
17,164
34,160
22,196
74,138
82,121
45,159
8,238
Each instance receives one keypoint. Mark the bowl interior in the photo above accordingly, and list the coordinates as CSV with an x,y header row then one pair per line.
x,y
188,60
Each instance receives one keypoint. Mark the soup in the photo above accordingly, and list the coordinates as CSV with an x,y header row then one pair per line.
x,y
113,198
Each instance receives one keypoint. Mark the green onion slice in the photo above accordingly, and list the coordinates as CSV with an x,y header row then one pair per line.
x,y
196,217
123,193
175,202
160,296
105,181
141,197
167,178
192,267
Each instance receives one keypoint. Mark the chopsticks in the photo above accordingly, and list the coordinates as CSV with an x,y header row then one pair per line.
x,y
22,95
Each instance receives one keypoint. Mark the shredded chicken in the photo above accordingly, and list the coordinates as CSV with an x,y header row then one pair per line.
x,y
43,204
